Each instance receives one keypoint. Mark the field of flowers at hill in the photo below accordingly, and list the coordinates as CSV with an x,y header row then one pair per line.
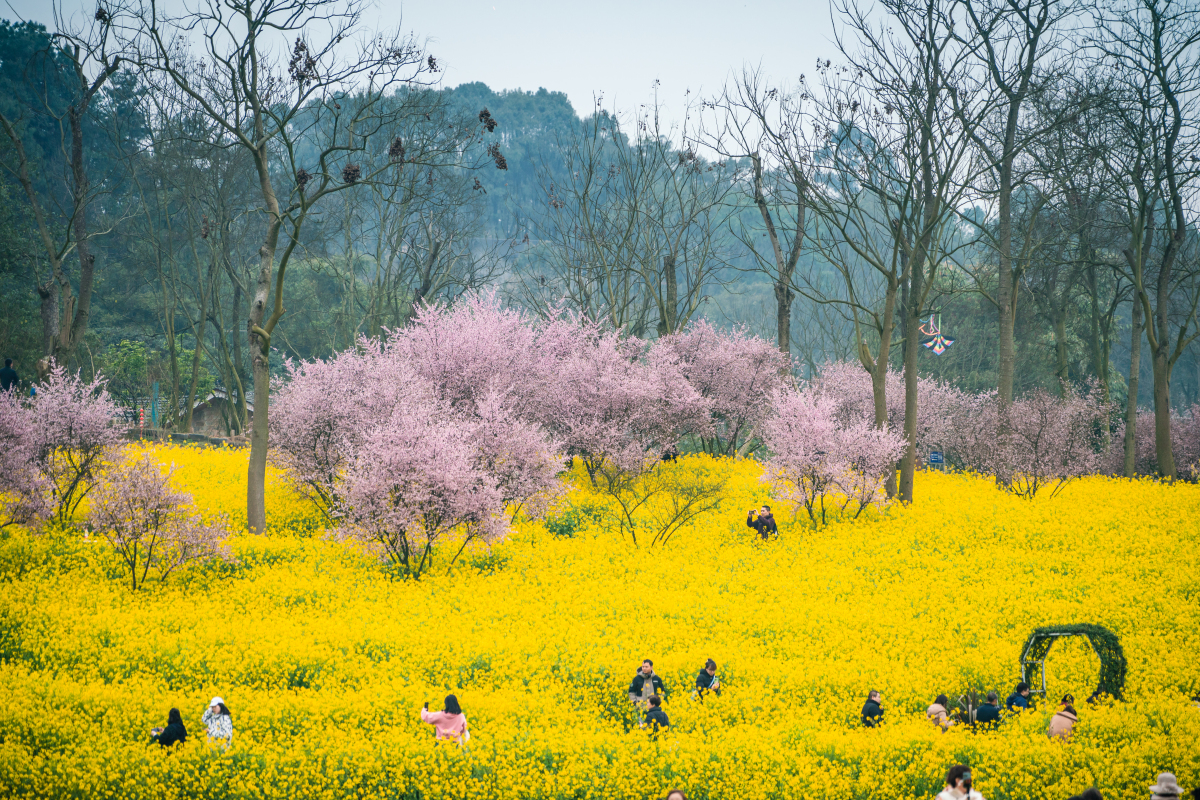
x,y
324,660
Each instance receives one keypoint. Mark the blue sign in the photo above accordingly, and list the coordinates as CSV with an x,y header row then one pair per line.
x,y
936,458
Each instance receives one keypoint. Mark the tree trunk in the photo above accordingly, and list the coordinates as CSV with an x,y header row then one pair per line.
x,y
912,320
783,316
1162,414
73,330
1060,349
1005,295
671,300
1135,366
256,480
48,294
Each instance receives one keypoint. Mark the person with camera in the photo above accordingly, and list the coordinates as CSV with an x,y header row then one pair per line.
x,y
707,680
451,724
764,523
958,785
172,733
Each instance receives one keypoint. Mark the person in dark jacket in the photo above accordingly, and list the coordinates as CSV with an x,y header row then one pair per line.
x,y
872,713
707,680
1019,699
656,718
646,684
989,712
8,376
765,524
174,732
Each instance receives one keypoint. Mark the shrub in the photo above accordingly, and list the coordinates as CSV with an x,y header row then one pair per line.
x,y
150,526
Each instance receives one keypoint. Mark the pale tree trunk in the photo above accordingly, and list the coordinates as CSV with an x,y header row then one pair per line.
x,y
878,369
783,315
1006,296
258,331
1135,366
256,480
671,295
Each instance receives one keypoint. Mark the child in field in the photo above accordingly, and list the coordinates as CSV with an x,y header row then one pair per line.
x,y
174,732
219,722
451,724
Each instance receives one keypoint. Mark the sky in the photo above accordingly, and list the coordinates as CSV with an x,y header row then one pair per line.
x,y
617,48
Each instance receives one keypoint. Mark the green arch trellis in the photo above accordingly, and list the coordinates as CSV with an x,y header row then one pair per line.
x,y
1103,641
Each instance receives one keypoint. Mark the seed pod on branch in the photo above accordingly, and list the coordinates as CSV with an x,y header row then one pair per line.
x,y
494,151
351,173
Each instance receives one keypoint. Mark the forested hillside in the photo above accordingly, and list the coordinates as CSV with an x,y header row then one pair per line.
x,y
432,191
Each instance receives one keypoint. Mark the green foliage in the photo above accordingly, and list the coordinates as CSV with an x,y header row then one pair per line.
x,y
1103,641
126,365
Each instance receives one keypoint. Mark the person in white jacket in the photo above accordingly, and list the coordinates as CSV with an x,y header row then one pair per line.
x,y
219,722
958,785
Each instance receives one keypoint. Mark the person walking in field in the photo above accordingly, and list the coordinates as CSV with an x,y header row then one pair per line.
x,y
219,723
707,680
655,717
1019,699
938,713
872,712
172,733
450,724
1063,723
958,785
989,712
646,684
764,524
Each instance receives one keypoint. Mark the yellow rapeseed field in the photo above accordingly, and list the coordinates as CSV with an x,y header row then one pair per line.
x,y
324,660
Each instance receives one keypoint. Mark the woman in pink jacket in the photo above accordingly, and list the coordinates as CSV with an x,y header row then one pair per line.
x,y
451,724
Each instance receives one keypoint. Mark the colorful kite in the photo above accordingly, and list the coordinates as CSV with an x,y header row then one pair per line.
x,y
938,343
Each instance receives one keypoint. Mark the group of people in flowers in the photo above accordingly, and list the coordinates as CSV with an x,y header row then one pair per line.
x,y
217,720
959,787
646,692
1062,724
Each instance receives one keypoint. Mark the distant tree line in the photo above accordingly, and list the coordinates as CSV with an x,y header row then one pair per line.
x,y
187,202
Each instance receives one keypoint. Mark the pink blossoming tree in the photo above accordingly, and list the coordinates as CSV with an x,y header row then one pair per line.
x,y
819,462
735,373
417,478
148,524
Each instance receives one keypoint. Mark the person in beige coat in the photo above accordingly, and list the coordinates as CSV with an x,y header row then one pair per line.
x,y
938,713
1063,722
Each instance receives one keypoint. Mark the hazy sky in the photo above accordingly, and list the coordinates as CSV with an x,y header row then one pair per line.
x,y
617,48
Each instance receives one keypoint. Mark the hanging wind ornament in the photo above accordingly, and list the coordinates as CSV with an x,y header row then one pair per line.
x,y
939,343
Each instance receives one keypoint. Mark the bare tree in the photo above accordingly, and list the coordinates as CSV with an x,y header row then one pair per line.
x,y
65,78
633,237
1156,47
769,127
1013,40
304,117
896,175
